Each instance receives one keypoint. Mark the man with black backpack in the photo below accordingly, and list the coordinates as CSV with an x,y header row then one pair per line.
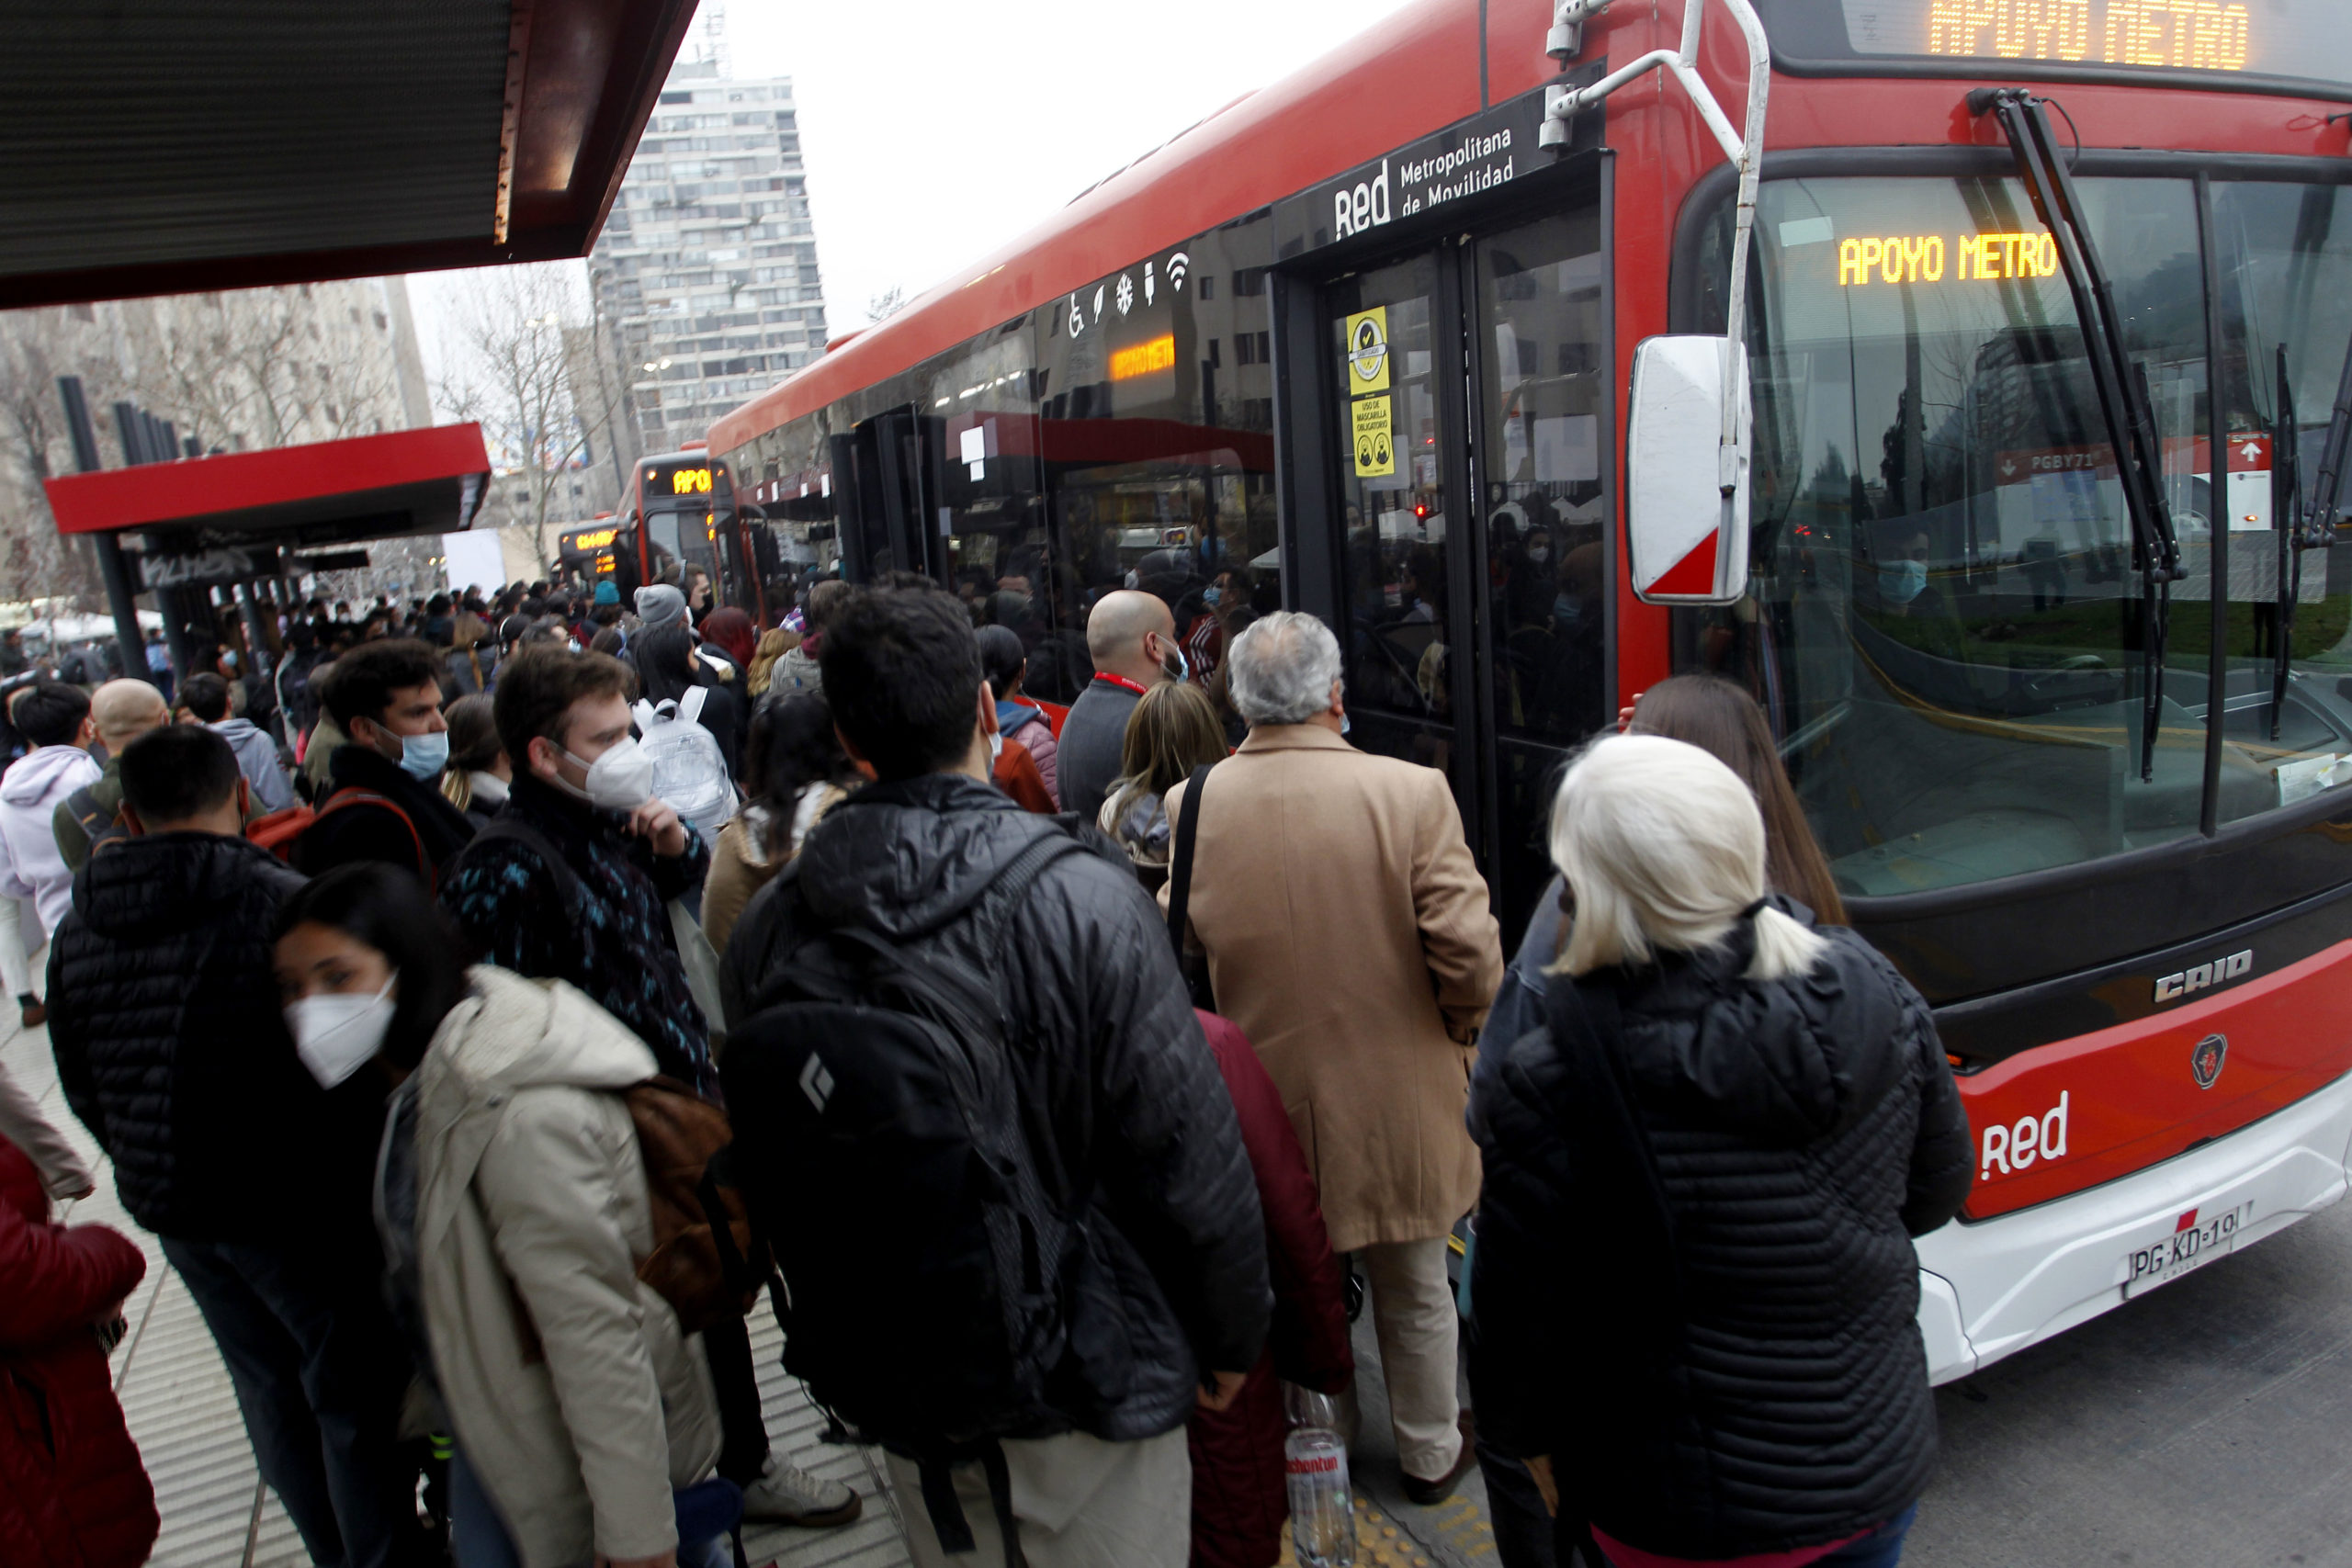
x,y
975,1119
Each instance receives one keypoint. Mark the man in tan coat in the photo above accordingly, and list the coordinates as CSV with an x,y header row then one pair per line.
x,y
1349,935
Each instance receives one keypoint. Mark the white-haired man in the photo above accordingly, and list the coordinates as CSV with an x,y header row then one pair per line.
x,y
1349,935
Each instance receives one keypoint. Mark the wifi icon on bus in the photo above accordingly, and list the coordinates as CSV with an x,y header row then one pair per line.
x,y
1178,266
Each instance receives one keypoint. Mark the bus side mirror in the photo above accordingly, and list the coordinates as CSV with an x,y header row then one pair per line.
x,y
1686,494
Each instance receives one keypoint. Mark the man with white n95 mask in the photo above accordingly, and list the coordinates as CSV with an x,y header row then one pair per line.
x,y
572,879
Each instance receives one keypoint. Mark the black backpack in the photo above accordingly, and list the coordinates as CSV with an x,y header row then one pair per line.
x,y
103,828
880,1150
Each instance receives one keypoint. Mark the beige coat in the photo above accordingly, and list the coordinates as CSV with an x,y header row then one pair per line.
x,y
573,1394
1349,935
739,867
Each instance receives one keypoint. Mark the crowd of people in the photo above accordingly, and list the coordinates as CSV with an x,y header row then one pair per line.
x,y
1064,1080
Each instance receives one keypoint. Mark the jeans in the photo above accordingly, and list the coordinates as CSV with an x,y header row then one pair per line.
x,y
320,1372
1882,1548
478,1539
1522,1526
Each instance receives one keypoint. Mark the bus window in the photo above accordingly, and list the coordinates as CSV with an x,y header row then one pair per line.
x,y
2286,252
1540,305
1155,441
1381,357
1541,315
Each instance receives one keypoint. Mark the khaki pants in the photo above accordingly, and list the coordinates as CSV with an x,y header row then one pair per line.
x,y
1081,1503
1412,1308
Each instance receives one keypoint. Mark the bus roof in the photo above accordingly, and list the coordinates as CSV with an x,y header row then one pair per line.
x,y
1419,71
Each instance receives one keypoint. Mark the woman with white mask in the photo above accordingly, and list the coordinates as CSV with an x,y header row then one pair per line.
x,y
510,1176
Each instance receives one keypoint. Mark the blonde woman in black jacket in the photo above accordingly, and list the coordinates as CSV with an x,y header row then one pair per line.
x,y
1695,1284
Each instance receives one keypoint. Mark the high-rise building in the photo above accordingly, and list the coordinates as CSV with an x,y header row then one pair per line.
x,y
706,274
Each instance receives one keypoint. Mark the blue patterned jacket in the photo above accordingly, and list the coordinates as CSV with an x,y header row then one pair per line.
x,y
613,940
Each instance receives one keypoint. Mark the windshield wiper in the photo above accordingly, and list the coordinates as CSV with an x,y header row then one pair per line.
x,y
2286,514
2300,529
2120,383
2327,508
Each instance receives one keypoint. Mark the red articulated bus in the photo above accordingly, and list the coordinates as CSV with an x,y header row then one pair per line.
x,y
1428,340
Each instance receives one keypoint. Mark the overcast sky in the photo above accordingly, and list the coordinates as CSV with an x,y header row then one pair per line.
x,y
934,133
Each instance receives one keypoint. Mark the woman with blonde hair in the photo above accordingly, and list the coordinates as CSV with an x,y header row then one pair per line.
x,y
775,643
1172,730
1747,1117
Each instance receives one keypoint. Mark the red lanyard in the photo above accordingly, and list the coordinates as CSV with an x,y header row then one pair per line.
x,y
1119,681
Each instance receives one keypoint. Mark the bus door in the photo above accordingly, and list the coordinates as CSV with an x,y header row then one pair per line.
x,y
1466,426
899,502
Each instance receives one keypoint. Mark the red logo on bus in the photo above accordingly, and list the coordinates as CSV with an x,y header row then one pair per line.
x,y
2205,1061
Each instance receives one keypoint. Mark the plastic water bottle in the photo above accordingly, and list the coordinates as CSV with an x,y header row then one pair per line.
x,y
1322,1509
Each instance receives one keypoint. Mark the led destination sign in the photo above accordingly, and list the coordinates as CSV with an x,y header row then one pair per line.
x,y
1921,259
691,482
2183,35
2258,41
1143,358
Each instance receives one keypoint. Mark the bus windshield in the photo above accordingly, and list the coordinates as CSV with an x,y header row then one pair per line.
x,y
684,516
1945,618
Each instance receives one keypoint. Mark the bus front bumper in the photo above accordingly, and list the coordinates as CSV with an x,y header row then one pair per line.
x,y
1990,1288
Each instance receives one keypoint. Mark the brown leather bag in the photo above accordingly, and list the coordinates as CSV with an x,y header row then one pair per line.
x,y
678,1134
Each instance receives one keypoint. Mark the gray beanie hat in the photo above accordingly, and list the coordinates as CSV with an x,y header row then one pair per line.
x,y
659,604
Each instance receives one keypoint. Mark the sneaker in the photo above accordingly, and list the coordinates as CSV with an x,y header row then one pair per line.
x,y
788,1494
33,1014
1429,1493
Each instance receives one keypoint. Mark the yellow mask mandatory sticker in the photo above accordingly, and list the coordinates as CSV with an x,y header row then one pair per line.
x,y
1368,351
1376,438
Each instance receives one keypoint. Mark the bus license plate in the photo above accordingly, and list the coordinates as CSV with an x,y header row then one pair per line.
x,y
2198,1242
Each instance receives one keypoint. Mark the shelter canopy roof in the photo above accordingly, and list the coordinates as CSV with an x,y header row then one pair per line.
x,y
154,146
329,493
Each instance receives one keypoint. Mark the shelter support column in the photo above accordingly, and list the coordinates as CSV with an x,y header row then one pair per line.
x,y
113,570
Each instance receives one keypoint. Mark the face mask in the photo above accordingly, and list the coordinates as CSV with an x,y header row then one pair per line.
x,y
620,780
1344,725
1211,596
229,660
1174,665
335,1035
995,746
1903,582
1539,553
423,756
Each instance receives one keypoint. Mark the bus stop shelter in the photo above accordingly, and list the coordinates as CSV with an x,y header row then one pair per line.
x,y
247,518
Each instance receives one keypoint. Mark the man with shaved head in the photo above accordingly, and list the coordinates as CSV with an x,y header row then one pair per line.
x,y
1131,636
121,711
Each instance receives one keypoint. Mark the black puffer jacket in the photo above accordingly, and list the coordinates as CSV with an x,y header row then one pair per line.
x,y
1695,1283
1121,1097
163,1014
